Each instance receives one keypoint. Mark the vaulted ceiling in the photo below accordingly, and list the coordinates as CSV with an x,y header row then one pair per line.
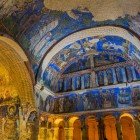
x,y
39,25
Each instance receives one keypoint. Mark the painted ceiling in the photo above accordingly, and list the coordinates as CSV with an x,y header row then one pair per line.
x,y
39,25
76,56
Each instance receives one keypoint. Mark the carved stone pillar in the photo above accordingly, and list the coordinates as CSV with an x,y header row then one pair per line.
x,y
42,133
66,133
84,129
119,130
69,133
66,129
50,133
101,129
56,133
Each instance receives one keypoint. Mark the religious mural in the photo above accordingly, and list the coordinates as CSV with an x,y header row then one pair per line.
x,y
94,100
124,97
111,50
17,122
110,76
136,96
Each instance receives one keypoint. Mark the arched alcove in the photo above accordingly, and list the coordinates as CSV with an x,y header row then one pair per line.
x,y
14,63
61,131
128,129
77,134
92,126
58,129
88,42
17,103
110,128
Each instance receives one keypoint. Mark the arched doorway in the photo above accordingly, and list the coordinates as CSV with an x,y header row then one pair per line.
x,y
75,132
110,128
77,135
92,129
59,133
128,131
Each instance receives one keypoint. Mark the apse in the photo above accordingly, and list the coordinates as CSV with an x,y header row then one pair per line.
x,y
92,74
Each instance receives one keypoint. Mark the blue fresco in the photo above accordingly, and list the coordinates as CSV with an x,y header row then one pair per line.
x,y
74,58
85,81
76,82
136,95
110,76
108,98
94,99
124,98
121,76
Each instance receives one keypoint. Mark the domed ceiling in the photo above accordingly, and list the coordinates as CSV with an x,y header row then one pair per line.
x,y
39,25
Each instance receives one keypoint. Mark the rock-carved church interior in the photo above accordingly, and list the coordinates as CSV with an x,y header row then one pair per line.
x,y
70,70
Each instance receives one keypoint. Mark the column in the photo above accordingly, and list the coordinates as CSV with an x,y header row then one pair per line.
x,y
55,132
101,129
50,131
50,134
68,130
69,133
42,133
137,128
42,129
84,130
119,129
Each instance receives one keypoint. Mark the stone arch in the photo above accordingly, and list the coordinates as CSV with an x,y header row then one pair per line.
x,y
97,31
127,115
57,122
15,46
13,59
94,32
72,120
75,126
58,129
